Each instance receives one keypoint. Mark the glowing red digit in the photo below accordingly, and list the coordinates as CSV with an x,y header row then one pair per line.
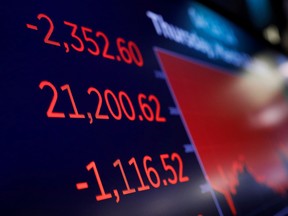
x,y
97,50
73,34
169,168
123,95
75,114
145,108
149,171
158,107
50,112
180,162
128,190
103,194
135,54
106,94
50,31
143,186
124,52
97,113
106,45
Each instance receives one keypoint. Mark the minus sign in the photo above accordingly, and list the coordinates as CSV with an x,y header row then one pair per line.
x,y
32,26
82,185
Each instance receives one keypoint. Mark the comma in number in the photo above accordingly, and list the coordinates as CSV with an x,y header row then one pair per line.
x,y
116,193
90,117
165,182
66,47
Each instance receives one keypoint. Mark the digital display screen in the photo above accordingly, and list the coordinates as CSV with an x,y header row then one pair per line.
x,y
139,108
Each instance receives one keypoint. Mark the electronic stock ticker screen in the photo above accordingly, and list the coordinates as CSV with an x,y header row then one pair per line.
x,y
138,108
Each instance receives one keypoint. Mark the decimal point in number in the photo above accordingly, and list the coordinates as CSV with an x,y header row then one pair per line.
x,y
118,58
165,182
140,117
66,47
90,117
116,194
